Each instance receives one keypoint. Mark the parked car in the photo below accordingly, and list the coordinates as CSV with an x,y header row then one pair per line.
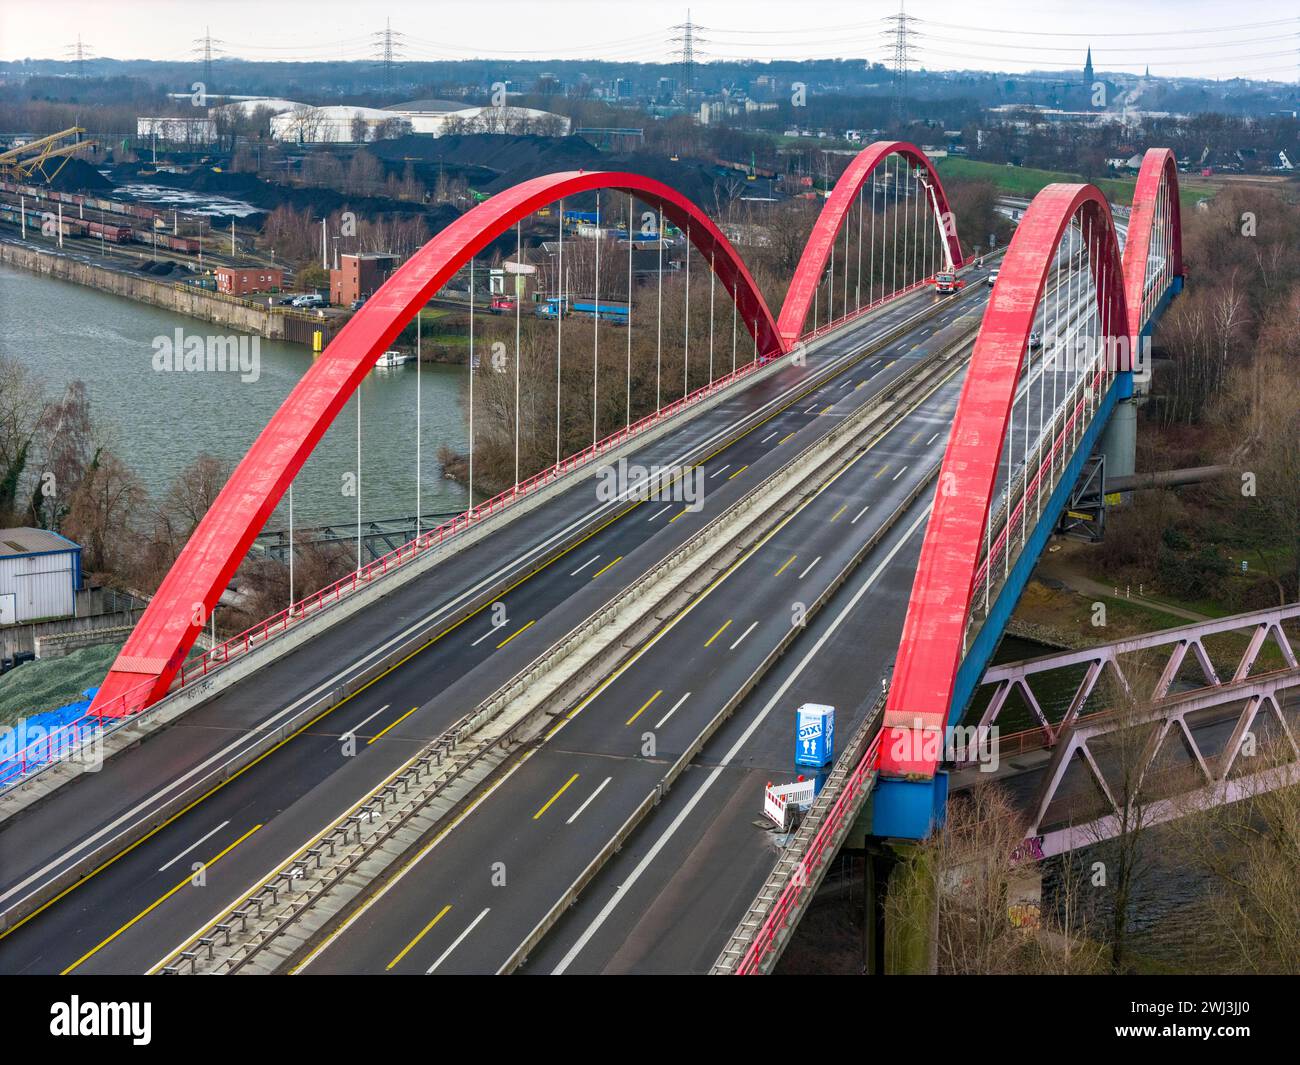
x,y
312,299
356,304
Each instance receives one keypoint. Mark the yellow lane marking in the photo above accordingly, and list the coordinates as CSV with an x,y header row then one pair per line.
x,y
418,936
916,436
396,723
563,789
826,410
157,902
881,470
858,385
518,631
839,512
645,706
783,568
784,439
718,633
603,568
678,515
737,473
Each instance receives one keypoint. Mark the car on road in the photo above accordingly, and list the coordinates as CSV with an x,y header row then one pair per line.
x,y
992,278
1035,341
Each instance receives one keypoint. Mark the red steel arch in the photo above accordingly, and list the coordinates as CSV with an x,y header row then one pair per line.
x,y
932,644
169,626
1158,166
812,264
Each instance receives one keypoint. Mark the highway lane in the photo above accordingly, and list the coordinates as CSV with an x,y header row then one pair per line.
x,y
668,902
249,825
515,853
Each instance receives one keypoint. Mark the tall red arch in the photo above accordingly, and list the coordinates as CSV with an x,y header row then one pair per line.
x,y
932,644
1159,167
166,631
812,263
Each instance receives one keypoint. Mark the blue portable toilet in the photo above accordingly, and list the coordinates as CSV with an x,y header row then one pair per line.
x,y
814,735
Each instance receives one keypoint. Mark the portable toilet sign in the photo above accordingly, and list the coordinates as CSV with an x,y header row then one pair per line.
x,y
815,735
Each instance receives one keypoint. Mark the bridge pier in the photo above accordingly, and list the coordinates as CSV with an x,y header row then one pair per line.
x,y
1119,440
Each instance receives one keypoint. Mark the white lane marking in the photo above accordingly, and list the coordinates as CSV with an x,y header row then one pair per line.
x,y
362,724
660,723
737,747
584,565
899,474
723,470
810,566
859,514
742,636
213,764
458,940
932,440
661,513
488,633
810,409
578,812
768,437
164,868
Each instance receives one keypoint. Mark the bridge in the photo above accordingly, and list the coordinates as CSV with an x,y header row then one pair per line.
x,y
537,682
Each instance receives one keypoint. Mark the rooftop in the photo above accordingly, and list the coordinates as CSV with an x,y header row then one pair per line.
x,y
25,541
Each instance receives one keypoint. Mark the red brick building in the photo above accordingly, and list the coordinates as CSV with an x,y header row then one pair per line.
x,y
359,276
238,281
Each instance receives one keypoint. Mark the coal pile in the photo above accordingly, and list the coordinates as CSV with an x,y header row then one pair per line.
x,y
77,175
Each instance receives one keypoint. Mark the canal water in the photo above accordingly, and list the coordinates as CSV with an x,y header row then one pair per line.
x,y
159,422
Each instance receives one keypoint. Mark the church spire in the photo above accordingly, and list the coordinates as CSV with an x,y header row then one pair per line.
x,y
1087,68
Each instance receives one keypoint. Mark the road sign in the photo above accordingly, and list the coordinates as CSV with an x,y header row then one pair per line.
x,y
814,735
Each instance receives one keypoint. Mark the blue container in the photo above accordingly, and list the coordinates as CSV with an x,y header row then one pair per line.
x,y
814,735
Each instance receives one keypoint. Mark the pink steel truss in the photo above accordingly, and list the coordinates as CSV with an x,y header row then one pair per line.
x,y
1176,643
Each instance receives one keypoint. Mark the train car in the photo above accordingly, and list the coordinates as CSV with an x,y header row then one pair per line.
x,y
114,232
189,245
36,220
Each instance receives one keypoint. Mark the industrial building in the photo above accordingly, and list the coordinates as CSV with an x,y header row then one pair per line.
x,y
40,572
359,276
236,281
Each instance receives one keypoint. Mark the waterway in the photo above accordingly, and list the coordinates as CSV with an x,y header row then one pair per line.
x,y
159,422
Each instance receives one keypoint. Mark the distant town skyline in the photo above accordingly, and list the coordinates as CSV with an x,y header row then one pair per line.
x,y
1189,38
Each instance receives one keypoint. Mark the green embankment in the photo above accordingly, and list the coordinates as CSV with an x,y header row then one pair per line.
x,y
1026,182
46,685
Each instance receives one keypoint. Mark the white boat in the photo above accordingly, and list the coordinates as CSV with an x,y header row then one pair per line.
x,y
395,358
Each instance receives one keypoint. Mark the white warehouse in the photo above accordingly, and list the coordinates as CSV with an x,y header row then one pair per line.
x,y
40,572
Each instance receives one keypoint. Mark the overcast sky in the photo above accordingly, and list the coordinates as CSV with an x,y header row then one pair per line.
x,y
1210,38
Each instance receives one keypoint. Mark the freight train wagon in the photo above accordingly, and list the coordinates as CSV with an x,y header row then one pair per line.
x,y
36,220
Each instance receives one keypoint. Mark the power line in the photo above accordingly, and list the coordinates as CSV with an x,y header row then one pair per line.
x,y
688,37
204,45
389,44
902,25
79,54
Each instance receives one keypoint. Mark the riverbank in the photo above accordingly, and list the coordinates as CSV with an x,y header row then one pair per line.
x,y
244,316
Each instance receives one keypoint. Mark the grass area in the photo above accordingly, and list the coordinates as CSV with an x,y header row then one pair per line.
x,y
1026,181
50,683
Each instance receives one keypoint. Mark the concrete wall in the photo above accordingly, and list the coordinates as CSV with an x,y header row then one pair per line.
x,y
59,644
21,639
228,312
